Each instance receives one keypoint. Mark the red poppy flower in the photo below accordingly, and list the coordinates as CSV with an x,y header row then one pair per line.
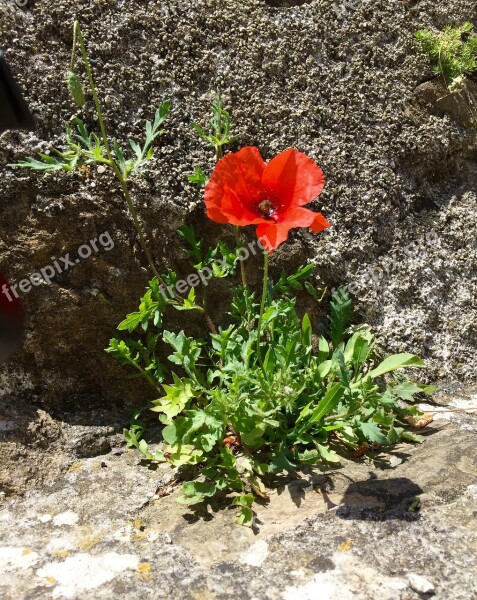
x,y
245,190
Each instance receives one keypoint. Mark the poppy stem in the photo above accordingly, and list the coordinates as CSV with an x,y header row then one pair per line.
x,y
238,243
262,305
78,38
122,179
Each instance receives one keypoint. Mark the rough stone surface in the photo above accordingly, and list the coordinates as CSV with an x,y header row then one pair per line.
x,y
109,526
339,81
82,518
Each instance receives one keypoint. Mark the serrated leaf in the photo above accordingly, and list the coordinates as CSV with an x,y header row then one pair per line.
x,y
373,433
328,455
340,316
279,462
406,391
176,399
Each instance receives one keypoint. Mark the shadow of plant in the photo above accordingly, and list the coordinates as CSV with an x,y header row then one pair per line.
x,y
380,499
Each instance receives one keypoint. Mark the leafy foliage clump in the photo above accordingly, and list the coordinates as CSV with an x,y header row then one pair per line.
x,y
240,412
86,148
453,52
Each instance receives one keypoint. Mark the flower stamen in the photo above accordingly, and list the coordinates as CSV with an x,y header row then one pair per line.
x,y
267,209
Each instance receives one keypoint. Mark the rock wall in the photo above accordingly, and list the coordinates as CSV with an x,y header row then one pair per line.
x,y
340,81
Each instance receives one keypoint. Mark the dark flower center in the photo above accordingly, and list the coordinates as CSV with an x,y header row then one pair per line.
x,y
266,209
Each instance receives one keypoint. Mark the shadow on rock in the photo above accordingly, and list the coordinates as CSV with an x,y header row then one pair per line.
x,y
380,499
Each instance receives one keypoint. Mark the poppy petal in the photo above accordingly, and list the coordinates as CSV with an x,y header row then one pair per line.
x,y
294,178
216,214
270,235
273,234
241,172
303,217
319,223
232,211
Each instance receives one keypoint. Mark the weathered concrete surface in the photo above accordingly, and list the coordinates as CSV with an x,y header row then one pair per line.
x,y
109,527
336,80
35,446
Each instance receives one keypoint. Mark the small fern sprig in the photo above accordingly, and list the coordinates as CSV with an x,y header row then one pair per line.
x,y
220,134
453,53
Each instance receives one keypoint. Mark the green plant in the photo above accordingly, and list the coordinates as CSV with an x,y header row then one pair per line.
x,y
264,393
453,52
84,148
245,405
220,128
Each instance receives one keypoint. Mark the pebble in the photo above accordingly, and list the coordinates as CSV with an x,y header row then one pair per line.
x,y
420,584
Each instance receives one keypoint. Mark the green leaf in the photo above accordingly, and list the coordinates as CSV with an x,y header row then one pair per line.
x,y
198,177
328,455
395,435
307,331
311,290
193,245
183,428
373,433
327,403
185,455
287,283
323,350
279,462
194,492
340,315
144,154
349,435
76,89
177,397
143,447
220,126
324,369
243,500
406,391
132,321
187,352
340,367
245,517
47,164
189,303
136,149
358,348
412,437
309,457
396,361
